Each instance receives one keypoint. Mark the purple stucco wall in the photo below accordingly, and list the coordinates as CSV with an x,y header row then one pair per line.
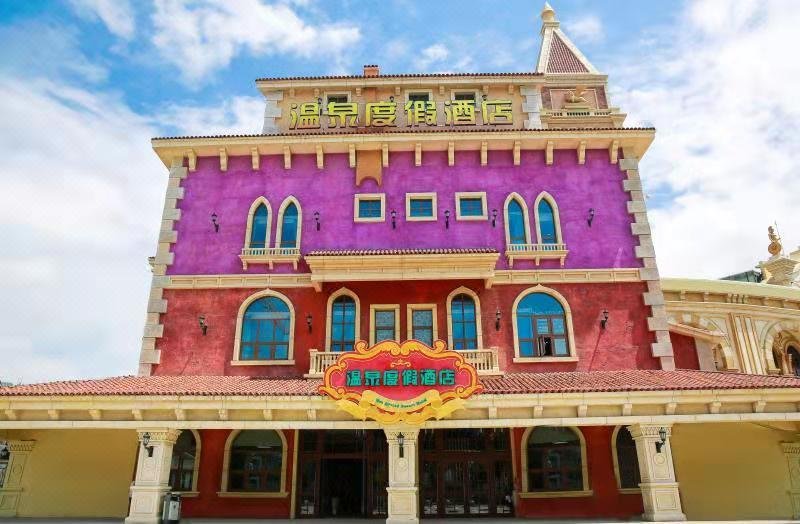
x,y
576,188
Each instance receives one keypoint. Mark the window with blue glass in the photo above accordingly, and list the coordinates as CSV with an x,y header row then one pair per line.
x,y
541,327
343,324
370,208
547,222
464,323
516,223
470,206
266,330
258,230
422,325
421,207
385,325
289,226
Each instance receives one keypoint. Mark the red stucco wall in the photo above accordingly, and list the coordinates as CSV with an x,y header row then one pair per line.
x,y
685,352
624,344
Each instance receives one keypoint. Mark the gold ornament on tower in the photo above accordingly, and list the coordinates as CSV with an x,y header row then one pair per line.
x,y
775,246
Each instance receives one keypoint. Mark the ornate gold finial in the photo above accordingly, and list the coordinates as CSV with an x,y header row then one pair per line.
x,y
548,13
775,246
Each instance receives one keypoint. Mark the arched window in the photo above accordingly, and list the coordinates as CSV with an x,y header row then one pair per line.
x,y
256,462
541,327
626,462
266,330
548,226
182,476
555,460
5,457
289,224
343,324
516,215
793,357
464,327
258,233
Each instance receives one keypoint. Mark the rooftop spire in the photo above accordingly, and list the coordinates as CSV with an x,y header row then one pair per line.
x,y
558,54
548,14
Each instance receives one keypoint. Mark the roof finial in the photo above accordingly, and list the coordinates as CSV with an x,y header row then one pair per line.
x,y
548,13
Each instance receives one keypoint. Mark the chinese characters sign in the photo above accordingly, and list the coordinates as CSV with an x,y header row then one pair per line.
x,y
312,115
400,382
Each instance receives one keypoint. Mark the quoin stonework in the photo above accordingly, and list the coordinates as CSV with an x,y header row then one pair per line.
x,y
466,261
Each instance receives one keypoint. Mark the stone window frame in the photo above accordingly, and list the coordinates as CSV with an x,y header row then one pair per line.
x,y
615,459
250,214
432,196
471,194
410,308
279,226
384,307
544,195
573,355
196,472
525,214
526,494
369,196
478,328
226,464
237,361
342,291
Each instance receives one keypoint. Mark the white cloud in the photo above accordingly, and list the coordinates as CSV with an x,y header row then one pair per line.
x,y
433,54
207,35
715,86
587,28
240,114
117,15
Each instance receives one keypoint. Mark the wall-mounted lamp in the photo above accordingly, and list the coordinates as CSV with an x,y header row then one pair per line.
x,y
146,443
494,218
604,320
662,434
319,101
203,326
401,439
447,219
394,219
309,318
391,99
590,218
316,219
497,317
215,222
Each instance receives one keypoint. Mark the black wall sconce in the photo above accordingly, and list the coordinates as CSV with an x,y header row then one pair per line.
x,y
215,222
662,434
494,218
203,326
394,219
401,439
146,443
497,317
590,218
309,318
604,320
391,99
316,219
447,219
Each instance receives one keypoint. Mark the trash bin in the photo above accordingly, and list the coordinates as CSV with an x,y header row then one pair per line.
x,y
171,513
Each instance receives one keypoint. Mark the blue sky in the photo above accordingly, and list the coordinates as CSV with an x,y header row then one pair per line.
x,y
84,85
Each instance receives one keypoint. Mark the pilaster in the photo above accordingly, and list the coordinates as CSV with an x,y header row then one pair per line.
x,y
791,450
11,490
403,475
662,501
152,476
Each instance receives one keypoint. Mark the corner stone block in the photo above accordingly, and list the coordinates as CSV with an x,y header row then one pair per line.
x,y
153,330
657,324
637,206
645,252
648,273
629,163
632,185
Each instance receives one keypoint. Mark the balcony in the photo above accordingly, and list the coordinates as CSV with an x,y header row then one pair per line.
x,y
536,252
270,256
582,117
484,360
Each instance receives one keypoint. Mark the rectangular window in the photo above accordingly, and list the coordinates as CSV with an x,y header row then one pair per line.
x,y
422,323
419,96
465,96
337,98
384,322
369,207
471,206
420,206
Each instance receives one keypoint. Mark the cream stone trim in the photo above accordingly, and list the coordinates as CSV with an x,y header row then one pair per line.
x,y
474,92
238,281
293,490
573,355
11,491
236,361
224,492
369,196
507,224
432,196
279,233
343,291
478,314
525,493
384,307
471,194
410,308
415,90
250,214
615,460
544,195
326,94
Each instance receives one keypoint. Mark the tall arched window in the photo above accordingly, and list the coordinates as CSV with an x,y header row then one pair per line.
x,y
541,327
266,330
793,357
463,322
546,222
184,462
555,460
516,223
343,323
255,462
627,462
258,232
289,224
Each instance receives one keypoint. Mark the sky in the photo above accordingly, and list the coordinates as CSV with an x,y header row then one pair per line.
x,y
85,84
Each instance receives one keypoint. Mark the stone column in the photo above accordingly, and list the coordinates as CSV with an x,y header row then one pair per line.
x,y
152,476
660,495
791,451
11,490
403,476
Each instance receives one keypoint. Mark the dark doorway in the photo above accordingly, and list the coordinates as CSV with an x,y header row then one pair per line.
x,y
342,486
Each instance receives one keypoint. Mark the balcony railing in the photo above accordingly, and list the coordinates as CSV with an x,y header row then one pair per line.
x,y
584,116
536,252
484,360
270,256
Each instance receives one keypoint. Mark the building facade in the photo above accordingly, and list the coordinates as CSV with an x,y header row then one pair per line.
x,y
502,213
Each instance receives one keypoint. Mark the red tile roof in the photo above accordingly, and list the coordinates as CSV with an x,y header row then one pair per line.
x,y
372,252
397,75
562,59
513,383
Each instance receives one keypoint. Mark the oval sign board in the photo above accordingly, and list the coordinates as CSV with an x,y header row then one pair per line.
x,y
395,382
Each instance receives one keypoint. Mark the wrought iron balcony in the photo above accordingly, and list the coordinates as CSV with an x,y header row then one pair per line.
x,y
536,252
270,256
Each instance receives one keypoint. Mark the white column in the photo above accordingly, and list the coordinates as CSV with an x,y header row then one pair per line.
x,y
11,490
403,477
152,476
660,495
792,452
